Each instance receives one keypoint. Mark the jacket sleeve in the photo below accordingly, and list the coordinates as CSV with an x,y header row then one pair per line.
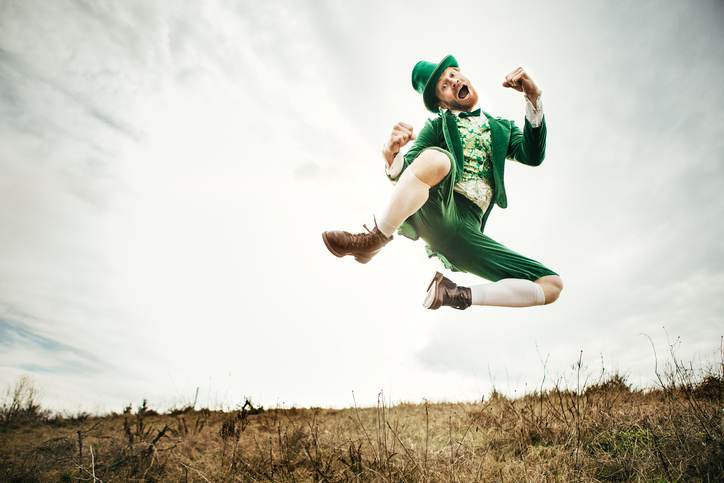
x,y
427,137
527,146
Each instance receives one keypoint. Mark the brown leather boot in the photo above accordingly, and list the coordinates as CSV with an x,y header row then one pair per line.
x,y
443,291
363,246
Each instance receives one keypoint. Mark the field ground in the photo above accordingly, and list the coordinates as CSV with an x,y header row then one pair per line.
x,y
605,431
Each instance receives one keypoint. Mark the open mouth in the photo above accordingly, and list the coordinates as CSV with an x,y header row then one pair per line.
x,y
463,92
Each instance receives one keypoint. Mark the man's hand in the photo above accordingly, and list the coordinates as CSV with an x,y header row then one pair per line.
x,y
521,82
401,135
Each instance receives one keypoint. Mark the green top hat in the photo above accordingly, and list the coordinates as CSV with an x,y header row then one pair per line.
x,y
424,79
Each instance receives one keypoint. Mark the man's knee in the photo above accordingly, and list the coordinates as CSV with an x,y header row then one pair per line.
x,y
431,166
552,287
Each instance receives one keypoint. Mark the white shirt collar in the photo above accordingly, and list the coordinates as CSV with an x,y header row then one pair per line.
x,y
457,113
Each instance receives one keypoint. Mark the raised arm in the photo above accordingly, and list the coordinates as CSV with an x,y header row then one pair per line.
x,y
527,146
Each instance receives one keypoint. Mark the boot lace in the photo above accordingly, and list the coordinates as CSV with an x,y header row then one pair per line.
x,y
456,297
364,240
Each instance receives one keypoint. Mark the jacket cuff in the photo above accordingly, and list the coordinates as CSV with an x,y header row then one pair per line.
x,y
394,170
534,114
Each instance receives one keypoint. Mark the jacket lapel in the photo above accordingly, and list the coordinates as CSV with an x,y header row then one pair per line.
x,y
452,138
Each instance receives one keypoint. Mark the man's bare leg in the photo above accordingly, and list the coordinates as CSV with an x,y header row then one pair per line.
x,y
409,195
431,166
552,286
412,189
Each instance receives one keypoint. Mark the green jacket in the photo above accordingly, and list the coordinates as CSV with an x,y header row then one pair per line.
x,y
507,142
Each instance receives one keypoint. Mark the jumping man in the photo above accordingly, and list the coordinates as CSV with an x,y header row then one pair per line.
x,y
448,182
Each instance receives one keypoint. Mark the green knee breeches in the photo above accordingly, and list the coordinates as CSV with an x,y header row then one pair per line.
x,y
450,224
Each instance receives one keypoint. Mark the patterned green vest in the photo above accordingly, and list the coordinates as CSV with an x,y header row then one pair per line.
x,y
476,180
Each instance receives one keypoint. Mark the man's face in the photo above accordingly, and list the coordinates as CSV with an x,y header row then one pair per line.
x,y
454,91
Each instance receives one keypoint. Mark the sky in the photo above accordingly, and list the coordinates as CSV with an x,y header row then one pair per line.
x,y
167,169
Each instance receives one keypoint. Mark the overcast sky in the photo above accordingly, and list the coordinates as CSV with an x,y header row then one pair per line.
x,y
167,168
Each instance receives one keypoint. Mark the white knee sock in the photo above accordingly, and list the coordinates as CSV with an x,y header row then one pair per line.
x,y
509,292
408,196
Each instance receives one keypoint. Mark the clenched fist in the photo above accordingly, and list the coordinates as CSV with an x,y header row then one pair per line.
x,y
521,81
401,135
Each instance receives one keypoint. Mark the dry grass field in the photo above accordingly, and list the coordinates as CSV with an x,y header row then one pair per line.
x,y
598,431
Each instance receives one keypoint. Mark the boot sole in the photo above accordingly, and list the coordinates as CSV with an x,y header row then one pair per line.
x,y
429,302
359,258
